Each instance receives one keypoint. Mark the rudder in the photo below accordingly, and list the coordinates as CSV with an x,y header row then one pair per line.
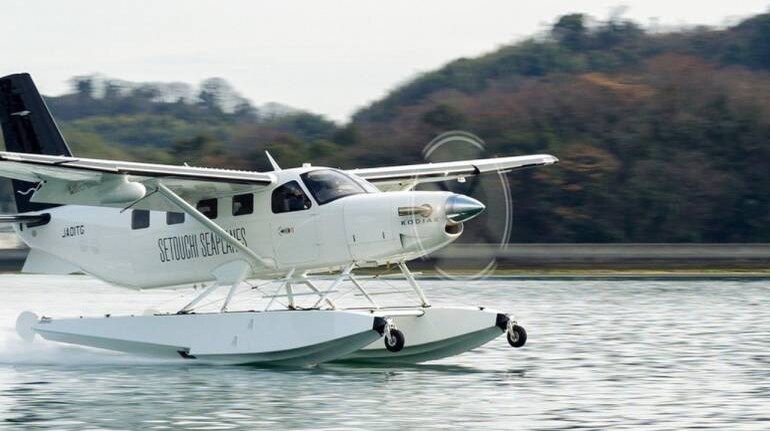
x,y
28,127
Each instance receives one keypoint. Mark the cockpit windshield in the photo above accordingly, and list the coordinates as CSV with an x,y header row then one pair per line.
x,y
327,185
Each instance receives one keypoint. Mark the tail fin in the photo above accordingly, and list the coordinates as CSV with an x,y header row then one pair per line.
x,y
28,127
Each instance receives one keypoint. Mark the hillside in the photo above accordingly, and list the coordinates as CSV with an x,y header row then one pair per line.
x,y
663,137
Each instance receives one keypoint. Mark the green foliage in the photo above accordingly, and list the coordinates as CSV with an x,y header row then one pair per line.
x,y
307,127
141,129
444,117
662,137
201,150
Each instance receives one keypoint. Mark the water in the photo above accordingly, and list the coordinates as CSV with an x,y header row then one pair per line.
x,y
621,354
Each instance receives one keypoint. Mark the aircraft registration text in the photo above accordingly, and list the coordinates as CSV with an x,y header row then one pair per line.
x,y
76,230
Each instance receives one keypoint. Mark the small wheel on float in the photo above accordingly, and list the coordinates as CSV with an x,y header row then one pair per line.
x,y
394,340
516,336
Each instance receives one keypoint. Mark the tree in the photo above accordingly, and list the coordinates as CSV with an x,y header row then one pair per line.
x,y
570,31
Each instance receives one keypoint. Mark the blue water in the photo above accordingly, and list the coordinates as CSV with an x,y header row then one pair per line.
x,y
630,354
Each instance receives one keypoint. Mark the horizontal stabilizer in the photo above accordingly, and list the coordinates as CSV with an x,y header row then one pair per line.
x,y
31,220
116,184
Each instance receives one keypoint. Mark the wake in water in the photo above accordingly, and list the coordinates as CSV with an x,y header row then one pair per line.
x,y
69,296
15,351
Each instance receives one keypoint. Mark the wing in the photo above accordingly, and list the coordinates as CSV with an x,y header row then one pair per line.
x,y
408,176
79,181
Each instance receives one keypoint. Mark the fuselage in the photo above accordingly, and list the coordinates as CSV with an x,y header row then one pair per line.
x,y
309,220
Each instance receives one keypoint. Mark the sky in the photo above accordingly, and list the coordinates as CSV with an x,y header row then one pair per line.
x,y
328,57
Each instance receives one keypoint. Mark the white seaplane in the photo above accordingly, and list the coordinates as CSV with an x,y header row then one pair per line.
x,y
145,226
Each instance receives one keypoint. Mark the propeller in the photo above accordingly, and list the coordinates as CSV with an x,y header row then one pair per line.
x,y
488,199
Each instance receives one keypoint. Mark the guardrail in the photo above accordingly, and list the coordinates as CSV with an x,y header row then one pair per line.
x,y
665,255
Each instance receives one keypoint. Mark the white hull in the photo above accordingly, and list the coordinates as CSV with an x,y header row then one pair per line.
x,y
435,333
296,338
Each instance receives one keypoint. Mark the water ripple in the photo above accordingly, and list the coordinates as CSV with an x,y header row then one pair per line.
x,y
620,354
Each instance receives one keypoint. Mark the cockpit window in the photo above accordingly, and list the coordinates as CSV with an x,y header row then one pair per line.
x,y
327,185
289,197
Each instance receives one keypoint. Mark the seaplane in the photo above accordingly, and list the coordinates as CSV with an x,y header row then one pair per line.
x,y
305,232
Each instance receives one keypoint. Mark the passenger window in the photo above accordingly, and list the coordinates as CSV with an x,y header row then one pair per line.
x,y
174,218
289,197
243,204
208,207
140,219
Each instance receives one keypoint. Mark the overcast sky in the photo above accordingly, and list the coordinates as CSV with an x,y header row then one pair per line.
x,y
330,57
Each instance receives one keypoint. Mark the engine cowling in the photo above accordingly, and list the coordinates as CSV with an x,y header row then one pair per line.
x,y
392,226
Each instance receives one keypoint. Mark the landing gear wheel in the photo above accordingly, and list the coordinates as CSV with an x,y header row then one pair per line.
x,y
394,341
516,336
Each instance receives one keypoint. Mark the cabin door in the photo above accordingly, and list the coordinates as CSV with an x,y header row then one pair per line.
x,y
294,225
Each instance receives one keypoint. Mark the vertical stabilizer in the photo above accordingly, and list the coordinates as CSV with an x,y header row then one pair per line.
x,y
28,127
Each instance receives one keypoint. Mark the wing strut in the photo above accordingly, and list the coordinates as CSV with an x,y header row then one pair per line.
x,y
197,215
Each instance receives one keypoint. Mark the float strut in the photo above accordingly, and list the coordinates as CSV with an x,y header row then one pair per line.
x,y
286,285
343,275
362,290
230,294
317,291
413,283
206,292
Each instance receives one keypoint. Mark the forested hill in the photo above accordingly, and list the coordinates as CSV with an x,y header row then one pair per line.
x,y
663,137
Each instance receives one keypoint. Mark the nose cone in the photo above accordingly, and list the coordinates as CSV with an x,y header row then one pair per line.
x,y
460,208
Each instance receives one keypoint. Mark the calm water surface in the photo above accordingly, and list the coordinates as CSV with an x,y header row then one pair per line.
x,y
622,354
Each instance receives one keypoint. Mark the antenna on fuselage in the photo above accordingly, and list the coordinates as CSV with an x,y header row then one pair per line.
x,y
272,161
